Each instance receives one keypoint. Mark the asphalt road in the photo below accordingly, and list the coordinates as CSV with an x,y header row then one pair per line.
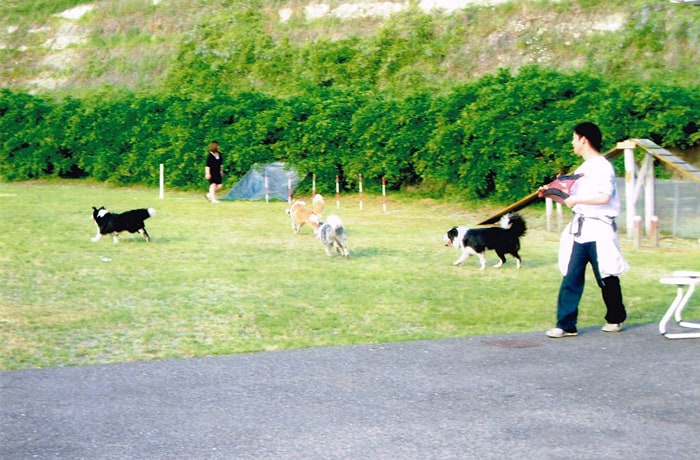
x,y
596,396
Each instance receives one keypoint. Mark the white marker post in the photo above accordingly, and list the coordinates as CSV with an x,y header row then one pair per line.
x,y
313,185
383,194
267,189
337,192
161,181
289,188
360,186
548,208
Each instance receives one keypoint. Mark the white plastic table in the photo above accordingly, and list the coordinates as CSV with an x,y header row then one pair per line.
x,y
685,282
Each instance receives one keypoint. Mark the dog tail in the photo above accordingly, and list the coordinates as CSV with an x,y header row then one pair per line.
x,y
515,223
318,204
334,221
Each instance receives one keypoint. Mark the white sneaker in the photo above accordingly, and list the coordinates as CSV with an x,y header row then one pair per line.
x,y
558,333
613,327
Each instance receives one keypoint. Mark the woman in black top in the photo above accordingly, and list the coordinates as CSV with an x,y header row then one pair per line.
x,y
214,171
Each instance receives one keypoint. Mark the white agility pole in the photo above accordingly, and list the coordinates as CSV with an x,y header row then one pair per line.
x,y
383,194
267,189
289,188
337,192
313,185
161,181
360,187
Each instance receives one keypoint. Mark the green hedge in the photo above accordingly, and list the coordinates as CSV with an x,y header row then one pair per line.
x,y
499,137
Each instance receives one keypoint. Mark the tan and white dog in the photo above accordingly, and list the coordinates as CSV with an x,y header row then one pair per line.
x,y
301,214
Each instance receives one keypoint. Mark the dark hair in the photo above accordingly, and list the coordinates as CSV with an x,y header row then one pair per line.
x,y
591,132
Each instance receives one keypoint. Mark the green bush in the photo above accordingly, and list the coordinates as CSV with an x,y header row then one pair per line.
x,y
498,138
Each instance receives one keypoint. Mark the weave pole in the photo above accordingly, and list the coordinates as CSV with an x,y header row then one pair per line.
x,y
383,194
337,192
360,187
313,185
267,189
161,181
289,188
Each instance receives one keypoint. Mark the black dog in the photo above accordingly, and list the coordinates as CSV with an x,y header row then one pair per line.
x,y
504,240
131,221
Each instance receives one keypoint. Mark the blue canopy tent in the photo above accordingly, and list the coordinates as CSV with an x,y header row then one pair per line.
x,y
280,178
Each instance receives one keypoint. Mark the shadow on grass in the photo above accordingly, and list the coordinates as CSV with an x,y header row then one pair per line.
x,y
361,253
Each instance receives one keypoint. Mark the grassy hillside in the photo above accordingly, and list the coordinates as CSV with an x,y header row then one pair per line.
x,y
72,46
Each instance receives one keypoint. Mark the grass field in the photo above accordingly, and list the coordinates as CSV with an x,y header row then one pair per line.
x,y
233,278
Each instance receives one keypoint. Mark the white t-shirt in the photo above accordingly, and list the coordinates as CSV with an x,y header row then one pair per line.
x,y
598,177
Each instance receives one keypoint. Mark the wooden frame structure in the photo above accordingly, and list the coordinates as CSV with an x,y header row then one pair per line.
x,y
636,179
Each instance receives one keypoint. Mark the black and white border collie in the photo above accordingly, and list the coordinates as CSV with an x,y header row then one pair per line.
x,y
113,223
332,235
475,241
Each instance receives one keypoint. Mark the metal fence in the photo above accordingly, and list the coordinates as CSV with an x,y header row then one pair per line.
x,y
677,207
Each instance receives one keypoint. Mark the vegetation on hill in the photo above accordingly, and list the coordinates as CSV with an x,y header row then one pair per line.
x,y
479,100
176,45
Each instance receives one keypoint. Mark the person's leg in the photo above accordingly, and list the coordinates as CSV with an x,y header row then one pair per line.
x,y
213,188
571,289
611,291
612,296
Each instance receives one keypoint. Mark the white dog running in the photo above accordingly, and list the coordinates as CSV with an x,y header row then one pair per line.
x,y
332,235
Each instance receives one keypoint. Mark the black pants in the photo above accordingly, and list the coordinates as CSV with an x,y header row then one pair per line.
x,y
572,284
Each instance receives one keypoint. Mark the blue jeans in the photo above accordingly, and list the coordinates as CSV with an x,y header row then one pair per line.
x,y
572,285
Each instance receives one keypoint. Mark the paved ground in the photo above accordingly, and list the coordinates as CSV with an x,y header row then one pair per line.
x,y
597,396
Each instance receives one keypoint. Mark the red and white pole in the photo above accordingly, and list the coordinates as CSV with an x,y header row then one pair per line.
x,y
337,192
383,194
161,181
360,186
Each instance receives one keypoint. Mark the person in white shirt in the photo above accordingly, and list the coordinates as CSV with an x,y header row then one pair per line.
x,y
591,237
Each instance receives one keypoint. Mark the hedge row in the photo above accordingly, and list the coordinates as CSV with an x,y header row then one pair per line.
x,y
499,137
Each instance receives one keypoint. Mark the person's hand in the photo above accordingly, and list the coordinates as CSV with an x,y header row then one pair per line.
x,y
207,176
570,201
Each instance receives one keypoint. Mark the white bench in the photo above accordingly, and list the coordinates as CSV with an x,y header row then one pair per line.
x,y
685,282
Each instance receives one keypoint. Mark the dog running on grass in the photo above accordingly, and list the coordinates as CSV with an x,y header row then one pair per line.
x,y
301,214
332,235
112,223
475,241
